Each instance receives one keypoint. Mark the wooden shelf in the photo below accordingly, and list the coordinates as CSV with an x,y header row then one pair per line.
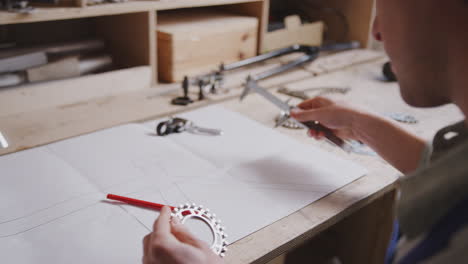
x,y
62,13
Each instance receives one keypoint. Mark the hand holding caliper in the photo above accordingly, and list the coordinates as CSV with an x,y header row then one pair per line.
x,y
252,86
311,53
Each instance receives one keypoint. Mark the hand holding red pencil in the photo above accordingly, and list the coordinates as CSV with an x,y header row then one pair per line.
x,y
137,202
170,241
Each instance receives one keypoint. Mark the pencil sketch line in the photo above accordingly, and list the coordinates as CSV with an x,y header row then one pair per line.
x,y
80,172
136,218
50,221
49,207
194,153
84,175
289,184
182,192
162,196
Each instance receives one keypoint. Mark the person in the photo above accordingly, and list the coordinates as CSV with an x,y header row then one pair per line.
x,y
427,42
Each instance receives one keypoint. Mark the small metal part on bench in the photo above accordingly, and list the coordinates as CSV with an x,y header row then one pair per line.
x,y
179,125
171,126
184,100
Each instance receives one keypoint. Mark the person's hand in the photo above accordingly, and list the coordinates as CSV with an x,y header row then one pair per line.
x,y
171,243
337,117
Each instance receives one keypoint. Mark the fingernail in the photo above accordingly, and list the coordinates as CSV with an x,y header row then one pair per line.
x,y
309,133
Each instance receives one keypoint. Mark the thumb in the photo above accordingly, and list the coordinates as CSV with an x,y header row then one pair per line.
x,y
182,233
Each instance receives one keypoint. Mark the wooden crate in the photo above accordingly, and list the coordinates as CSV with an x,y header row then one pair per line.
x,y
192,42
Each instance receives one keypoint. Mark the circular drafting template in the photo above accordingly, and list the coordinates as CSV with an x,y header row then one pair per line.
x,y
192,211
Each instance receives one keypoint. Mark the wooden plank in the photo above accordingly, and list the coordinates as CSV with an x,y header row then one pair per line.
x,y
362,237
56,13
29,98
372,226
61,69
177,4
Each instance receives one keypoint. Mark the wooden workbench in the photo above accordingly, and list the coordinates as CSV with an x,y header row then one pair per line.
x,y
354,222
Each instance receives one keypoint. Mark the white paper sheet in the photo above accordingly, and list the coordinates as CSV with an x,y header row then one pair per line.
x,y
252,176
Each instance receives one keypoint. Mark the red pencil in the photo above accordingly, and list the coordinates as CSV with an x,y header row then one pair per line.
x,y
137,202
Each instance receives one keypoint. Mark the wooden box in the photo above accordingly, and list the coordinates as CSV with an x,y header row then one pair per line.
x,y
192,42
294,33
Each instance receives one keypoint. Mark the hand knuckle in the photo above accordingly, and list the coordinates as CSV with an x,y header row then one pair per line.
x,y
146,239
159,246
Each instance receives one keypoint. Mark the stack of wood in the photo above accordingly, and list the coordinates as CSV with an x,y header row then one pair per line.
x,y
52,62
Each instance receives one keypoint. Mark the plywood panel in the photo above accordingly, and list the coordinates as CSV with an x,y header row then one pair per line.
x,y
128,37
358,14
260,10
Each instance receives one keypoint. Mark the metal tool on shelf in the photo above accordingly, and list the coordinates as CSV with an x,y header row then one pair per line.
x,y
213,82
